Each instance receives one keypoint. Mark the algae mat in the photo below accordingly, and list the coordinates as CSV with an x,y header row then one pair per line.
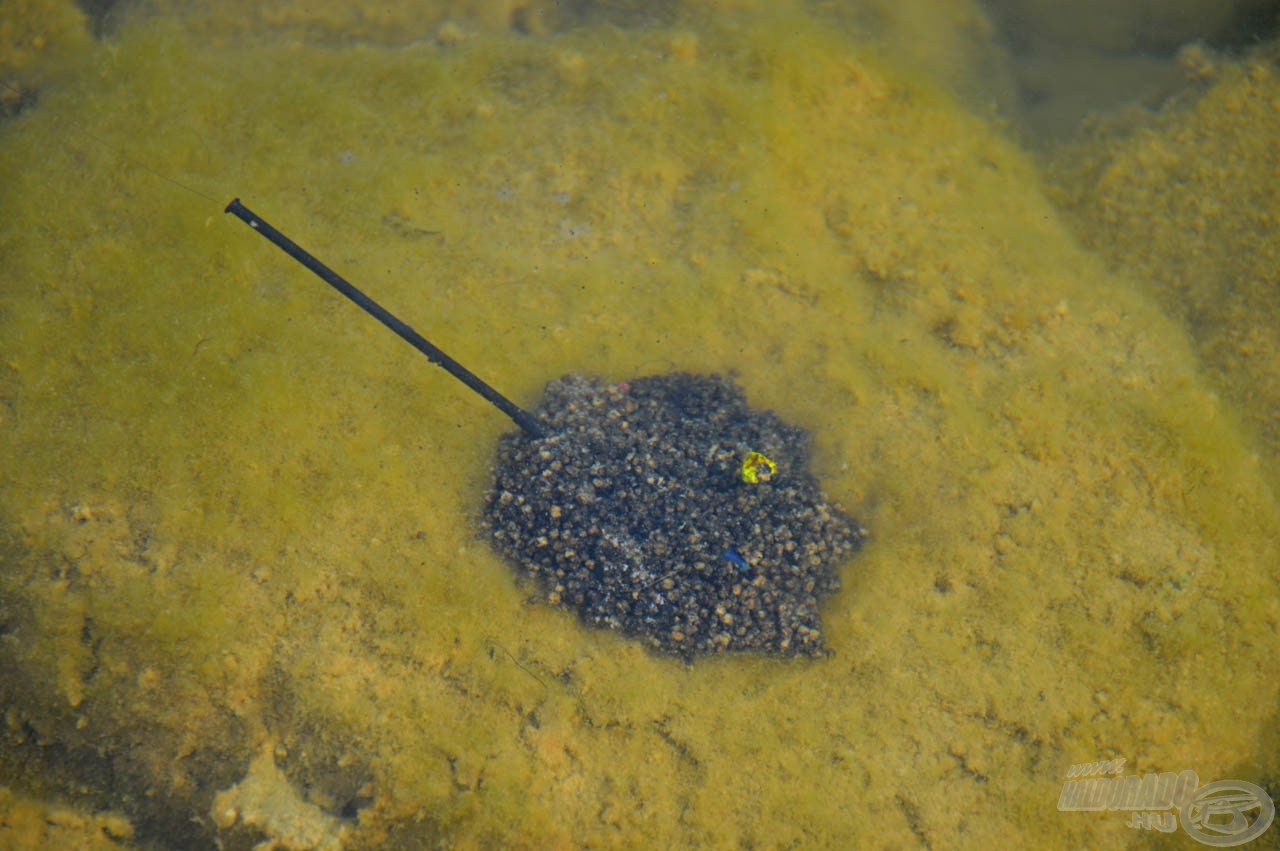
x,y
244,592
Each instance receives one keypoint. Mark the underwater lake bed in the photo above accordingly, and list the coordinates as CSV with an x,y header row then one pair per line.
x,y
248,594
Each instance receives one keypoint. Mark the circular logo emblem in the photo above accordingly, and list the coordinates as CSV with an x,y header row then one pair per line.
x,y
1227,812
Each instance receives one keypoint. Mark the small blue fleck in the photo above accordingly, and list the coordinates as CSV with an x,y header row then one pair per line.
x,y
731,555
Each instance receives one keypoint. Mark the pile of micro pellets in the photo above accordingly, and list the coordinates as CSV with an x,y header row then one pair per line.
x,y
662,507
669,510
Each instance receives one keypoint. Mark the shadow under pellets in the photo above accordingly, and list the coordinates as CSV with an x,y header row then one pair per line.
x,y
663,507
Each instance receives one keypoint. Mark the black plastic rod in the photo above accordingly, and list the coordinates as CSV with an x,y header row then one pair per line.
x,y
521,417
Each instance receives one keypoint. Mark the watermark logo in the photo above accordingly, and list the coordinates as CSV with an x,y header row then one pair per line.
x,y
1222,814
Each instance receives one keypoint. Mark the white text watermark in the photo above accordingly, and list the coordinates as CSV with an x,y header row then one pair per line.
x,y
1223,813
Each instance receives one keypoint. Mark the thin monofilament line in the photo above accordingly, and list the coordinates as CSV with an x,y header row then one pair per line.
x,y
521,417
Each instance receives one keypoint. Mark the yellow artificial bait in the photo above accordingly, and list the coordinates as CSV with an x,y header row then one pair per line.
x,y
756,468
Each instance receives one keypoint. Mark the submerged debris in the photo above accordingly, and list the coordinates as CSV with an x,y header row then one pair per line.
x,y
668,509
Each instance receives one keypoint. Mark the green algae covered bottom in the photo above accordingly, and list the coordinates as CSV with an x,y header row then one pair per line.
x,y
247,594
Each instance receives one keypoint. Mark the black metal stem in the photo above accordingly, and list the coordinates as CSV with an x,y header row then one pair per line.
x,y
521,417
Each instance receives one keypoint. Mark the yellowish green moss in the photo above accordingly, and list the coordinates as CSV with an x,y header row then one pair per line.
x,y
40,41
1069,533
1188,205
27,823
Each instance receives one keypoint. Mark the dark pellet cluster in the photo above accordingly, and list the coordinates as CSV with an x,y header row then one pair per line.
x,y
633,510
